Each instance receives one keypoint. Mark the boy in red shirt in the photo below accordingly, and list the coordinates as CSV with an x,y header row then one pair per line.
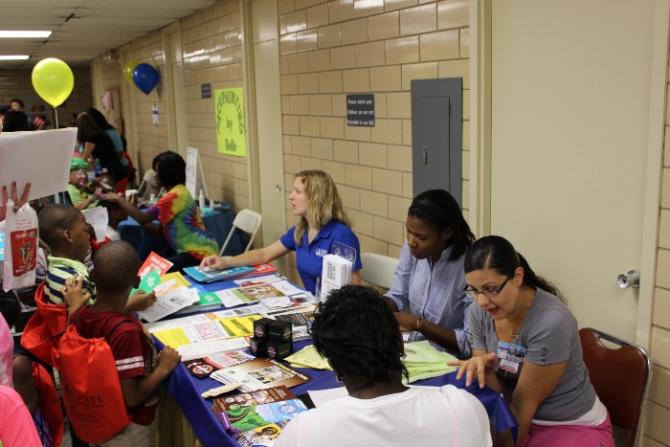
x,y
115,267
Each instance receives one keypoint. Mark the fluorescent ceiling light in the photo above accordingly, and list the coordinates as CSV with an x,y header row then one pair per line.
x,y
15,34
13,57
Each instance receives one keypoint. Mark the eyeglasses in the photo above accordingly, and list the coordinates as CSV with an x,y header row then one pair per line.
x,y
489,292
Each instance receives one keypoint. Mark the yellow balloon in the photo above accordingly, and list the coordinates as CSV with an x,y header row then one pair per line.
x,y
53,80
128,70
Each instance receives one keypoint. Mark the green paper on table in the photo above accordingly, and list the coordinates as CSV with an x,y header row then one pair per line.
x,y
307,357
423,361
148,282
208,298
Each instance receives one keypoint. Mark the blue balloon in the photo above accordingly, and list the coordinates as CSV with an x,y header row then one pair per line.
x,y
146,77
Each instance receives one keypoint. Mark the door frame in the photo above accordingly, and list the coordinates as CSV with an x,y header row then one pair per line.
x,y
480,17
176,105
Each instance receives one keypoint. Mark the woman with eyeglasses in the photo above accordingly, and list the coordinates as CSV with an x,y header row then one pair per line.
x,y
427,294
525,343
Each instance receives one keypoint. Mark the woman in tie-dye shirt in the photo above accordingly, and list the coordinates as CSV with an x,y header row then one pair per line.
x,y
177,213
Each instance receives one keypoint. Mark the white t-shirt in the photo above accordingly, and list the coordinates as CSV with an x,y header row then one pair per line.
x,y
419,416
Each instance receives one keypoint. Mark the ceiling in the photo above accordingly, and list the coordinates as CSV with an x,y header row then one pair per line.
x,y
84,29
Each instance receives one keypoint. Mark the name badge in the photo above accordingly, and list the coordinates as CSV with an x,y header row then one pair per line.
x,y
321,252
510,357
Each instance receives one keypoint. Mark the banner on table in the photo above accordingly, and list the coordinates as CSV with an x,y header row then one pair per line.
x,y
230,125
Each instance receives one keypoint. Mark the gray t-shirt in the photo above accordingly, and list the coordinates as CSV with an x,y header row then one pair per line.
x,y
548,336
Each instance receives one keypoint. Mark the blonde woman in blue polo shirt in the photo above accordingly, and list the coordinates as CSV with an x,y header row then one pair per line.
x,y
322,221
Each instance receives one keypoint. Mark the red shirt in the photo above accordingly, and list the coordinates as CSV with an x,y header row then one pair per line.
x,y
133,351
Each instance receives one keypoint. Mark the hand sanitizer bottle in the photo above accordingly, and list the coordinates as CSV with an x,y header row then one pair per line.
x,y
201,200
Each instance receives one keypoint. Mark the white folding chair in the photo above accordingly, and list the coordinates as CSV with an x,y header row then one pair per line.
x,y
247,221
378,269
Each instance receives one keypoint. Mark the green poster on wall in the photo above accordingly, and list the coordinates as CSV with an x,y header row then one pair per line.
x,y
230,128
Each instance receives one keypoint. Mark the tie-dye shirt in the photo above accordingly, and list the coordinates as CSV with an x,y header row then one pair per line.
x,y
182,224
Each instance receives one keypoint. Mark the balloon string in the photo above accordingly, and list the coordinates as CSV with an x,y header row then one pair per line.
x,y
56,116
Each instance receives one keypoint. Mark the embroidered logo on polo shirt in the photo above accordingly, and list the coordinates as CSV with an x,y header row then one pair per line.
x,y
321,252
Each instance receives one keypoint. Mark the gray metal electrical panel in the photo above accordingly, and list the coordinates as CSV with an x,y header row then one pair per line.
x,y
437,135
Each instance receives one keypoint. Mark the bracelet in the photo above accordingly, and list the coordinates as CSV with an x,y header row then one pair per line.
x,y
419,323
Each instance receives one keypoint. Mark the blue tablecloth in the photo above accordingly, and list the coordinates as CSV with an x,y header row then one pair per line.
x,y
186,389
217,222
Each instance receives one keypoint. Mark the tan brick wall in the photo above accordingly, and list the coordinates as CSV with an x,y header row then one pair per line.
x,y
18,84
212,51
150,140
658,410
329,49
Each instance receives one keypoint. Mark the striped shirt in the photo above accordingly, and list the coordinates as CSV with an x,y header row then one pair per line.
x,y
60,269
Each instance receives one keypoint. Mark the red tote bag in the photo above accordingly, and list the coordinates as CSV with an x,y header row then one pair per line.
x,y
91,387
45,327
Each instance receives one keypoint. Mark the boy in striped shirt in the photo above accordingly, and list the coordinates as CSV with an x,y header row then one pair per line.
x,y
67,234
64,229
140,371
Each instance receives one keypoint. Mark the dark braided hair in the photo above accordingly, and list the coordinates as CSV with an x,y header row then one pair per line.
x,y
358,334
438,209
497,253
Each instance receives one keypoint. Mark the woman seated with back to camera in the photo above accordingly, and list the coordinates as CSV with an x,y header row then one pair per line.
x,y
428,290
525,342
358,335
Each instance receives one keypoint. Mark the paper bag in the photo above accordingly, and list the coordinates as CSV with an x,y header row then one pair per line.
x,y
21,239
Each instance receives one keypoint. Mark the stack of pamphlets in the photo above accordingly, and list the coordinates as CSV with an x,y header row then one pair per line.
x,y
257,418
423,361
198,335
335,273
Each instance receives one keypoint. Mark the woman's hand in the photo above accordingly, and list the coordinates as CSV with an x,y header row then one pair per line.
x,y
475,367
18,202
407,321
215,262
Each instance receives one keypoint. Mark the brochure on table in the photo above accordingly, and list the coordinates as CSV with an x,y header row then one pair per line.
x,y
207,275
259,374
205,333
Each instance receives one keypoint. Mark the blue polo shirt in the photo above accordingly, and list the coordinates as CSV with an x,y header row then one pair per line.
x,y
309,257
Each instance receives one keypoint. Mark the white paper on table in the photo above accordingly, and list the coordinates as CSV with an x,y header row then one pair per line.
x,y
200,350
169,303
99,219
320,397
41,157
279,302
258,279
287,288
240,312
177,322
229,298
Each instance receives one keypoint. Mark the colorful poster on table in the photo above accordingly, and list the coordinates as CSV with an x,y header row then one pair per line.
x,y
230,124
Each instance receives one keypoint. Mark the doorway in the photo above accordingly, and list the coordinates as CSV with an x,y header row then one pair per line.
x,y
571,147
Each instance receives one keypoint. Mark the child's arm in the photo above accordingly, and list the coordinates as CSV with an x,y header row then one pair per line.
x,y
85,203
138,389
140,300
